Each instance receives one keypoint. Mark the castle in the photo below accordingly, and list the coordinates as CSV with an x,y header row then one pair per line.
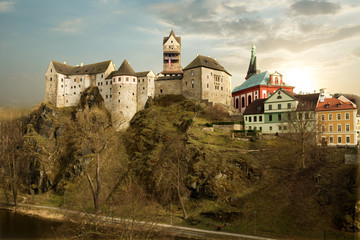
x,y
126,92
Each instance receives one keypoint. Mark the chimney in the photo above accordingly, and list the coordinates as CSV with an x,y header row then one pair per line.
x,y
81,64
64,62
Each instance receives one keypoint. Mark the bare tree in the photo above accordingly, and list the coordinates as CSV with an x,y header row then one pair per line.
x,y
11,137
93,132
301,127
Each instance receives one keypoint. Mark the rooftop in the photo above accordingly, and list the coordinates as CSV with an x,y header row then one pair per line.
x,y
81,70
256,107
334,104
208,62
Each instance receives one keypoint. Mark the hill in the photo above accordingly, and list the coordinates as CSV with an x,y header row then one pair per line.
x,y
169,166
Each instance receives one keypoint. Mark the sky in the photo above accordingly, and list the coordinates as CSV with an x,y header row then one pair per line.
x,y
313,43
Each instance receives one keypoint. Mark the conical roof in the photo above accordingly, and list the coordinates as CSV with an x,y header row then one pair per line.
x,y
125,69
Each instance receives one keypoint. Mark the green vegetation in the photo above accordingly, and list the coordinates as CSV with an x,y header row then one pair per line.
x,y
168,166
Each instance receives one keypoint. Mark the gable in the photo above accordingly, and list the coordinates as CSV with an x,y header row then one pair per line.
x,y
171,41
279,96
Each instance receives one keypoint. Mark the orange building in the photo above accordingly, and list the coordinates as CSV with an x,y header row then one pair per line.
x,y
337,121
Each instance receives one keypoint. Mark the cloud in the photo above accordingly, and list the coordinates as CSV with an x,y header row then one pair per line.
x,y
356,52
70,26
314,7
6,6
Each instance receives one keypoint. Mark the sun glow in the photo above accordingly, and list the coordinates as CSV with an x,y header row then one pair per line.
x,y
302,78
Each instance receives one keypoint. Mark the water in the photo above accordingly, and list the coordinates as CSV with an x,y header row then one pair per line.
x,y
19,226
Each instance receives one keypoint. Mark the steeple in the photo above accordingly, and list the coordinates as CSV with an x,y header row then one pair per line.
x,y
252,66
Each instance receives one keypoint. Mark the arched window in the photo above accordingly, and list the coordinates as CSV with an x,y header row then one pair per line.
x,y
237,103
249,100
276,80
242,102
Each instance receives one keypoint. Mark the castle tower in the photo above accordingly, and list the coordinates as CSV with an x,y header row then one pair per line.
x,y
252,66
172,54
124,96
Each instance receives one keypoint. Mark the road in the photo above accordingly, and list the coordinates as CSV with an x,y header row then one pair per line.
x,y
176,230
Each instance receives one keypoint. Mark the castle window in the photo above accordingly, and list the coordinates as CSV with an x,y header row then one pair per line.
x,y
102,76
80,79
127,79
161,91
143,80
62,86
106,82
51,79
50,70
106,96
50,85
185,83
67,100
110,96
138,80
119,93
74,93
133,94
143,88
62,80
98,84
74,80
74,86
134,80
71,87
192,83
118,101
221,88
207,85
101,83
79,85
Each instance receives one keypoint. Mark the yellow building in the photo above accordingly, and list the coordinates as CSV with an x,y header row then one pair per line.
x,y
337,121
358,128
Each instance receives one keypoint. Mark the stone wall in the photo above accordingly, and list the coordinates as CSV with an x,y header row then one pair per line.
x,y
191,84
216,86
165,87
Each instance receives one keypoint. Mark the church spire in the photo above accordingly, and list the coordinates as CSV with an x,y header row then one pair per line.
x,y
252,66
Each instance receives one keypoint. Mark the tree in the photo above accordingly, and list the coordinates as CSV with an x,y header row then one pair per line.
x,y
93,132
301,128
11,137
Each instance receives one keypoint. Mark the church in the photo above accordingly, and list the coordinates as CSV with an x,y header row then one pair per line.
x,y
126,92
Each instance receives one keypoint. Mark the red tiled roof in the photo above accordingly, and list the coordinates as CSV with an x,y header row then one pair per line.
x,y
331,104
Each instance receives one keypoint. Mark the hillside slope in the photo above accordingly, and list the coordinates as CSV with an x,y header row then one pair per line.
x,y
169,163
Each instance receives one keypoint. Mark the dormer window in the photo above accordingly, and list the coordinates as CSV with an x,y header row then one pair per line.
x,y
338,105
326,105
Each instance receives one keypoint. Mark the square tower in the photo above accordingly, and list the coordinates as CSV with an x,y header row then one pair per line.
x,y
172,54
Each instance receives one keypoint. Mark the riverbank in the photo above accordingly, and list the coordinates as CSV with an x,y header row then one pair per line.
x,y
174,232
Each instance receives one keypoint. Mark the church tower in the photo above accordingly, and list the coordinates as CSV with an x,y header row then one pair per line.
x,y
172,55
252,66
124,96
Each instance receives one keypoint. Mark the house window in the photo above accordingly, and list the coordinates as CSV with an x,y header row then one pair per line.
x,y
279,106
339,127
249,119
306,115
331,139
249,127
338,116
347,127
289,105
285,128
74,80
270,128
279,127
322,128
245,118
300,116
279,117
127,79
330,117
347,116
339,139
255,118
260,118
260,128
322,117
330,128
270,107
270,117
347,139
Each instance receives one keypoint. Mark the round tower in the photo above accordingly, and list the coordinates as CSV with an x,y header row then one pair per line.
x,y
124,96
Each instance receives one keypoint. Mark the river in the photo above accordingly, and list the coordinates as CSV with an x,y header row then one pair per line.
x,y
15,225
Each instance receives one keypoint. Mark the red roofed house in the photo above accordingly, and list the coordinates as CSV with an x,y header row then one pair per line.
x,y
337,121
